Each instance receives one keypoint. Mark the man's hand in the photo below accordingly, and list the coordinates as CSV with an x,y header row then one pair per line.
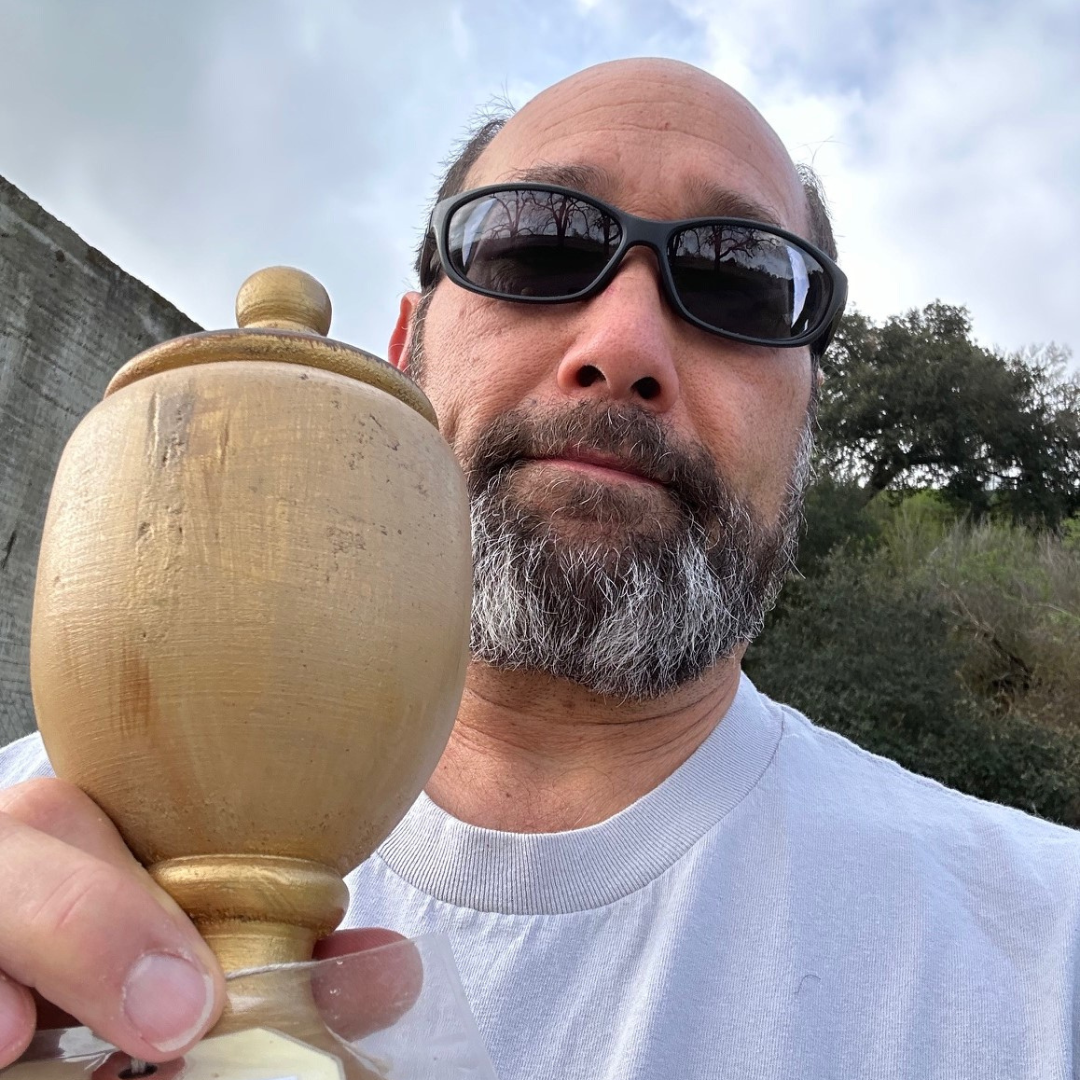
x,y
85,929
87,937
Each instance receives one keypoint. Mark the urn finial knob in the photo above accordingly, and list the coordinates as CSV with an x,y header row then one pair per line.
x,y
283,298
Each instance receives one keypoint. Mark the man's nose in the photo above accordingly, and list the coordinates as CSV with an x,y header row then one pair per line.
x,y
623,347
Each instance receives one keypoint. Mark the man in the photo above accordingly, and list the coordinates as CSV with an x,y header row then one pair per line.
x,y
646,868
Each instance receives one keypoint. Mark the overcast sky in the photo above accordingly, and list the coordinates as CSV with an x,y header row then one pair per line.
x,y
195,142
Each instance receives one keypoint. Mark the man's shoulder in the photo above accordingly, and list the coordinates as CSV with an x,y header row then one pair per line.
x,y
856,792
23,759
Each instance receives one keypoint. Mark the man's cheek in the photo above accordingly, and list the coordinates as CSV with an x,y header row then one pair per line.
x,y
464,412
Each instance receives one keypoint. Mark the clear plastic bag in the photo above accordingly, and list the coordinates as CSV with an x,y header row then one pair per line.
x,y
396,1012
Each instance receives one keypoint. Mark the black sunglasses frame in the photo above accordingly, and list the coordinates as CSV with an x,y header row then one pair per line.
x,y
636,231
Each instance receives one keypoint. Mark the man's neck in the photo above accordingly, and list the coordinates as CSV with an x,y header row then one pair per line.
x,y
534,754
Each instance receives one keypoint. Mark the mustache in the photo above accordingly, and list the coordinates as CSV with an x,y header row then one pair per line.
x,y
634,436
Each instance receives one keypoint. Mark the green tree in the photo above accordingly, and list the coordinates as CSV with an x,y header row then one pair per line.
x,y
936,616
917,403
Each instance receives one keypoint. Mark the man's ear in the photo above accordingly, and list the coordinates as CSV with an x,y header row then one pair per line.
x,y
397,352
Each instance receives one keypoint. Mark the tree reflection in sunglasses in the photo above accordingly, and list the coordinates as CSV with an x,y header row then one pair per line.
x,y
765,279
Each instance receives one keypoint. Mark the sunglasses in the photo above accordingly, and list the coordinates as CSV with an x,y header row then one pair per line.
x,y
544,244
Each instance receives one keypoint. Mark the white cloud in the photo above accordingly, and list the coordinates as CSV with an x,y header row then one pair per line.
x,y
195,142
948,136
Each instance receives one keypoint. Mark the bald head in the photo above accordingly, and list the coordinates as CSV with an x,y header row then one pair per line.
x,y
649,109
655,100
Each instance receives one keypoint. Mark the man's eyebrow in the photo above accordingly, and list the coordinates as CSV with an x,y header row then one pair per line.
x,y
588,179
706,199
714,200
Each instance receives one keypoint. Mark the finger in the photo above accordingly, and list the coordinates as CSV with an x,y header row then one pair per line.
x,y
16,1020
374,979
91,940
61,810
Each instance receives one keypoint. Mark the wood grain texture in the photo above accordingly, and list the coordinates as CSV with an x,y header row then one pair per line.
x,y
250,626
250,629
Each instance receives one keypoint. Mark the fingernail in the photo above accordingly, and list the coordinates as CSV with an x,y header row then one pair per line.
x,y
168,1000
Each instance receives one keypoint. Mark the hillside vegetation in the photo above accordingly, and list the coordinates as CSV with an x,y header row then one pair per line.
x,y
936,615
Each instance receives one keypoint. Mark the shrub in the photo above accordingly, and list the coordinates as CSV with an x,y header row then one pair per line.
x,y
946,647
1014,595
835,513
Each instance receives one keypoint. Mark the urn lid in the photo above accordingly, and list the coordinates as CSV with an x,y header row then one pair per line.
x,y
283,315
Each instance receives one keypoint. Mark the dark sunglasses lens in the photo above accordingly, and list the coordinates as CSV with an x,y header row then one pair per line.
x,y
748,281
531,243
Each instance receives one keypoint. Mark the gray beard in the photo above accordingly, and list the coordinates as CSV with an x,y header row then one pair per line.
x,y
632,616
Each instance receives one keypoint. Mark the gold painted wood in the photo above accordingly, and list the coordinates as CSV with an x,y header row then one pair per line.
x,y
256,910
281,327
282,298
251,619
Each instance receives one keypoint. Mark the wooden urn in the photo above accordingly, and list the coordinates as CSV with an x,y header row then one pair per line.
x,y
250,627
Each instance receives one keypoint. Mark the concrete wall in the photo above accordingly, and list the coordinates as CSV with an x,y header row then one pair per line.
x,y
68,319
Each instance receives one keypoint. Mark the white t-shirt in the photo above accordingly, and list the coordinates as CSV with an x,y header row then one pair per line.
x,y
785,905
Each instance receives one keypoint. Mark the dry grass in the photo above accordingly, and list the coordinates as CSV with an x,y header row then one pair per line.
x,y
1014,596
